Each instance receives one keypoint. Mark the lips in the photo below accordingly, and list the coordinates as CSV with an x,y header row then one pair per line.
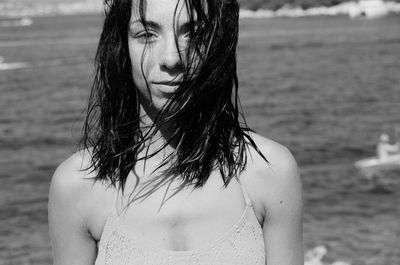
x,y
167,83
167,87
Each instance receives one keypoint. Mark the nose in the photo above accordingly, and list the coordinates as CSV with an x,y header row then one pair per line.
x,y
170,57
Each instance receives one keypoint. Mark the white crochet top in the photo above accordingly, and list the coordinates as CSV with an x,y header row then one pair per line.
x,y
242,245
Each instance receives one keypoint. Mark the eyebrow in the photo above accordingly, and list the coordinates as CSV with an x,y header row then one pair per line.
x,y
184,27
149,23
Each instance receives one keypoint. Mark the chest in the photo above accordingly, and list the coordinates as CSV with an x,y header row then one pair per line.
x,y
242,244
189,220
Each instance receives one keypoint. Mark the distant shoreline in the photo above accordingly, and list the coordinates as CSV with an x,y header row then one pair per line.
x,y
347,8
351,9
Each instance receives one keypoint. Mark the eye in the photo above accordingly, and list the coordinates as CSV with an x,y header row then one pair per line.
x,y
145,36
188,32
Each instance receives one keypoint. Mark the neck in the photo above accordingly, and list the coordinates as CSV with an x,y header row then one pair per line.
x,y
160,140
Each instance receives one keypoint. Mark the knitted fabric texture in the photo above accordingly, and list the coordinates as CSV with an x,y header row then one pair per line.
x,y
242,245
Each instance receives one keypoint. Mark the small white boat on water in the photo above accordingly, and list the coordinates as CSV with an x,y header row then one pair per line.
x,y
388,163
387,156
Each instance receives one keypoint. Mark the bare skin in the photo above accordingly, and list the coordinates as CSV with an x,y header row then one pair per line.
x,y
78,209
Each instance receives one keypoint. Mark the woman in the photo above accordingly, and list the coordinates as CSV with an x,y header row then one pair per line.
x,y
168,174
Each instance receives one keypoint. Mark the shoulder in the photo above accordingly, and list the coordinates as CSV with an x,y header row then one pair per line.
x,y
281,162
73,193
74,204
276,182
71,180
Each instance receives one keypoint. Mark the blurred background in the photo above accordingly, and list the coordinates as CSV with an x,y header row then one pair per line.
x,y
321,77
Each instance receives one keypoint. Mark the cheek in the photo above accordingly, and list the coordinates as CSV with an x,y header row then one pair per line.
x,y
135,55
142,63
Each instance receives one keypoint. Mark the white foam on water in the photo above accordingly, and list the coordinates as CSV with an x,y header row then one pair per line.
x,y
314,257
43,41
15,9
23,22
12,8
12,66
351,8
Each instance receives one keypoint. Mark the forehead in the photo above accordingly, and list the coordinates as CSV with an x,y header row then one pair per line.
x,y
162,11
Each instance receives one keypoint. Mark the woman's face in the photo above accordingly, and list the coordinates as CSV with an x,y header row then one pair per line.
x,y
153,53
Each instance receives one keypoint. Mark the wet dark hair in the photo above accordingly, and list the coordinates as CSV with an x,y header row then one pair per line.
x,y
209,130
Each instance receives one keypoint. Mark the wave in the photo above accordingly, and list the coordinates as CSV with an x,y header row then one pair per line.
x,y
314,257
373,8
18,9
23,22
11,66
13,9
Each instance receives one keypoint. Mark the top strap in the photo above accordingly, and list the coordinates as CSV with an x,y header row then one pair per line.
x,y
245,193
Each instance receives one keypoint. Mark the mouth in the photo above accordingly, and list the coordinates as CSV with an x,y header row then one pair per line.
x,y
167,87
168,83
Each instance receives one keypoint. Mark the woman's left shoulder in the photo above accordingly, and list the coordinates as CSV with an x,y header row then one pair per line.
x,y
278,158
276,181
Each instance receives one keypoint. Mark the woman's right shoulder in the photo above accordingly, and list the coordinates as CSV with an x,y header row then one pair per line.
x,y
74,173
76,210
76,200
72,184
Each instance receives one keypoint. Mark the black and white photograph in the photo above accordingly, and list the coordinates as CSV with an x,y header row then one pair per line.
x,y
200,132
